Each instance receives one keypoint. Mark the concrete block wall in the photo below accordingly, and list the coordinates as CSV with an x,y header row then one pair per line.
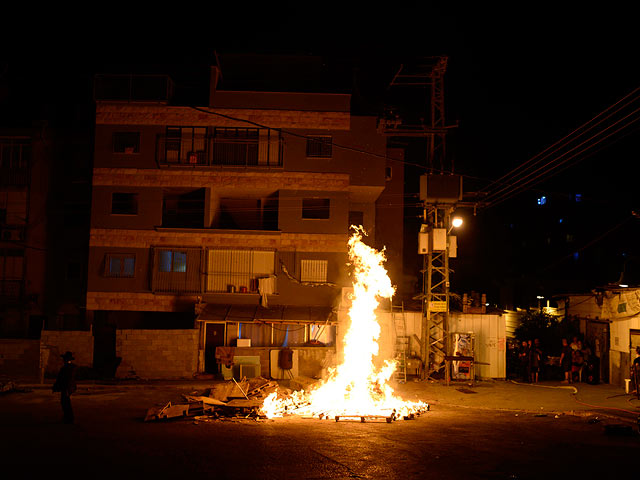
x,y
19,357
157,353
59,341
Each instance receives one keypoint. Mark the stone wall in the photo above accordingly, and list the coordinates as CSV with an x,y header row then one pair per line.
x,y
54,343
131,301
19,357
216,179
157,353
131,114
303,242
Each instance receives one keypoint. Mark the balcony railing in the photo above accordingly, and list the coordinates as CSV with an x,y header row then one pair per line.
x,y
259,148
14,177
10,291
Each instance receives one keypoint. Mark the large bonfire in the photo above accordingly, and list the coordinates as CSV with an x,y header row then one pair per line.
x,y
356,387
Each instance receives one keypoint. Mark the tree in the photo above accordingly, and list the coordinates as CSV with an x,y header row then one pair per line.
x,y
540,324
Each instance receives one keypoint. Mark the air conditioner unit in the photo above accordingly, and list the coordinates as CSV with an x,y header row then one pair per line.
x,y
249,370
345,300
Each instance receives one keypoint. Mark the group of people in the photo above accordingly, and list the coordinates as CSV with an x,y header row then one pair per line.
x,y
578,362
531,358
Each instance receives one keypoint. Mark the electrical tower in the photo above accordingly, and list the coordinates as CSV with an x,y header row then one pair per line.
x,y
440,191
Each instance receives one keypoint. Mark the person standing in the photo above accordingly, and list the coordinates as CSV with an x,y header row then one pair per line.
x,y
535,360
523,357
565,360
66,385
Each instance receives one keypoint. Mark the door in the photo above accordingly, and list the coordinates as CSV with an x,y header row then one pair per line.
x,y
105,361
214,337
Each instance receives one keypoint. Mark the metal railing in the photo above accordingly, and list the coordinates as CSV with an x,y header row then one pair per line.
x,y
14,177
261,149
10,291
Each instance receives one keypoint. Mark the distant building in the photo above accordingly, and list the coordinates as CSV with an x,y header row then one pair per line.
x,y
228,222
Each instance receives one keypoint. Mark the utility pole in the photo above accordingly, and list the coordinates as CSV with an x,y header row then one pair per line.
x,y
440,191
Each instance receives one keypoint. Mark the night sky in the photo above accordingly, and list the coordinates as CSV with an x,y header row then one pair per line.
x,y
518,80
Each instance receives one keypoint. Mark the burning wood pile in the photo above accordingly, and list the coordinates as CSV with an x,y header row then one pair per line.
x,y
357,388
222,401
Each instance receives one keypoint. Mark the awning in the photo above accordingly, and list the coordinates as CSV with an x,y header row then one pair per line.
x,y
272,314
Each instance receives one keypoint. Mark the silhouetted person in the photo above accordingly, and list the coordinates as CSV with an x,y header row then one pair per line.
x,y
66,385
535,361
565,361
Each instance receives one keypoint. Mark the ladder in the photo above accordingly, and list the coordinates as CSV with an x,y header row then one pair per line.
x,y
402,342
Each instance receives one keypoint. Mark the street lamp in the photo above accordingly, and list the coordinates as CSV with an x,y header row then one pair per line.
x,y
455,223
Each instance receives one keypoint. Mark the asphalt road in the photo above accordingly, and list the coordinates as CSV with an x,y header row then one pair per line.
x,y
110,440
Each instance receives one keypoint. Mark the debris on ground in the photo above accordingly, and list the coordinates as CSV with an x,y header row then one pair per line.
x,y
225,400
12,387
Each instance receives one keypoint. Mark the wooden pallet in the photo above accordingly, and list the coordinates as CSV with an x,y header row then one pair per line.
x,y
364,418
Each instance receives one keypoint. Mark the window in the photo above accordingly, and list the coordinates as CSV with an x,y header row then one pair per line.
x,y
126,142
120,265
124,203
11,263
319,146
313,271
186,145
388,173
15,155
172,261
236,146
316,208
239,270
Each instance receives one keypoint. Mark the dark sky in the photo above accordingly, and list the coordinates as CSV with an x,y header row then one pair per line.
x,y
518,79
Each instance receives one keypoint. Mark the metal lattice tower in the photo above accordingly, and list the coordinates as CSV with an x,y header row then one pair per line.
x,y
435,295
428,74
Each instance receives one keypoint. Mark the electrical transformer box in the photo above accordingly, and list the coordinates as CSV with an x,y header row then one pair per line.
x,y
439,236
440,188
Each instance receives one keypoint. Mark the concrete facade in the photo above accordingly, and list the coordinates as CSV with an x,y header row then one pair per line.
x,y
213,205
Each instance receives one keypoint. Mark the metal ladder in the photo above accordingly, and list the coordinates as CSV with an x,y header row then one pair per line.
x,y
402,342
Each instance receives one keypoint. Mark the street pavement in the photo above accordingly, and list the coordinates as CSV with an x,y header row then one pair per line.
x,y
549,397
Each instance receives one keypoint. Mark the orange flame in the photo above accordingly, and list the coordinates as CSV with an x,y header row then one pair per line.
x,y
355,387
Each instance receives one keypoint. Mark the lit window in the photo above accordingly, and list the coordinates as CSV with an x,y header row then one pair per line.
x,y
172,261
578,197
120,265
313,271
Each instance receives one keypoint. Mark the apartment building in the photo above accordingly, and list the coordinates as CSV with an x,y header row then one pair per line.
x,y
226,224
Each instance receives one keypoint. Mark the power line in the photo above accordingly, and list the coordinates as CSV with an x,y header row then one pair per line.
x,y
505,191
512,172
510,192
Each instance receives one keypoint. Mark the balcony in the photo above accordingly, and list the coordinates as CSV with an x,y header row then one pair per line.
x,y
225,147
10,291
